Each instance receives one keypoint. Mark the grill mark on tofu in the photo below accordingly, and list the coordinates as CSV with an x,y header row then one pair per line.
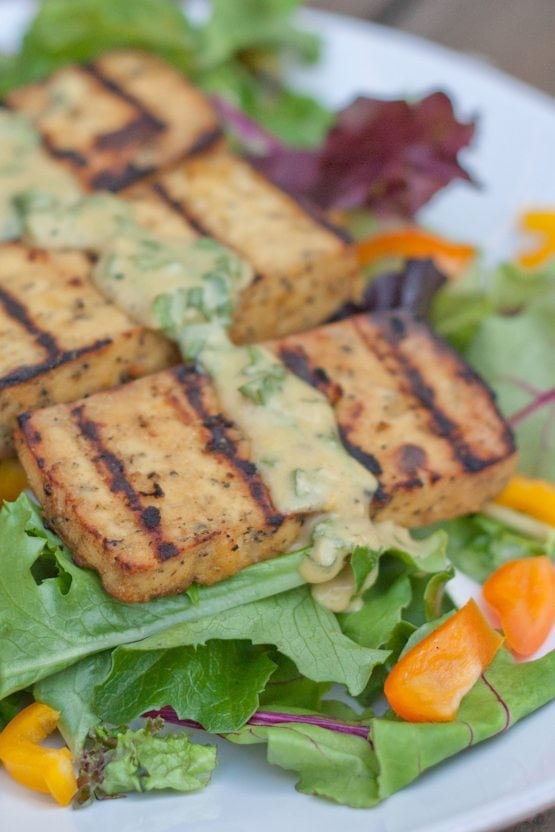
x,y
299,363
18,312
393,331
155,124
139,129
106,462
320,218
116,180
191,219
146,125
179,208
54,355
64,153
221,442
30,371
205,141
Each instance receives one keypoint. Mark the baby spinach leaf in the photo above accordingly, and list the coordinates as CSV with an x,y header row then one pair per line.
x,y
217,684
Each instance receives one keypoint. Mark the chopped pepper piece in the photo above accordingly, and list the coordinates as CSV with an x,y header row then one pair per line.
x,y
12,479
429,681
449,257
522,594
534,497
48,770
542,224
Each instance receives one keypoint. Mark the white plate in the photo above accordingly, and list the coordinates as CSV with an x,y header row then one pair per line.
x,y
512,776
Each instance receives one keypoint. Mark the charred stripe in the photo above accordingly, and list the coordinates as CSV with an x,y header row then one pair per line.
x,y
79,160
117,180
393,328
18,312
120,92
299,363
27,372
178,207
222,443
139,129
106,461
204,141
182,210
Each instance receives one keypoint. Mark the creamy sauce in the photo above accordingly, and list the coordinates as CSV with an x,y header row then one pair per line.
x,y
189,289
27,174
296,446
199,280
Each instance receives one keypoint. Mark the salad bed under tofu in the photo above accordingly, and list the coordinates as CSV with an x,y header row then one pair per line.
x,y
154,487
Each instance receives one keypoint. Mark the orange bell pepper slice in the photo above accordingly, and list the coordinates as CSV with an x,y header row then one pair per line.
x,y
522,594
429,681
534,497
450,257
542,224
48,770
12,479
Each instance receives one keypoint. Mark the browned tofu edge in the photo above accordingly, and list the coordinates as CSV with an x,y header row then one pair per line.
x,y
74,374
150,562
482,454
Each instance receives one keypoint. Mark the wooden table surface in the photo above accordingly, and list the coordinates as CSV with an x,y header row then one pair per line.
x,y
517,36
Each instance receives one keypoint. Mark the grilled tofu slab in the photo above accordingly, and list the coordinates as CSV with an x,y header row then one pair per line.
x,y
411,411
151,485
128,122
60,339
304,267
116,119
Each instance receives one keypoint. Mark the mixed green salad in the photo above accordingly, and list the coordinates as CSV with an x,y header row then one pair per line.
x,y
255,658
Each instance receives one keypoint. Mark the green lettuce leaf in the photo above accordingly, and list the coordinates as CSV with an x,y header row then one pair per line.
x,y
349,769
253,25
503,321
120,761
515,355
287,687
293,622
71,692
236,53
47,626
382,610
478,545
507,692
337,766
295,118
400,600
11,705
217,684
65,32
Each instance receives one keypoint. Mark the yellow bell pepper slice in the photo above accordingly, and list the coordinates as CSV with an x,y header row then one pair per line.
x,y
12,479
542,224
530,496
48,770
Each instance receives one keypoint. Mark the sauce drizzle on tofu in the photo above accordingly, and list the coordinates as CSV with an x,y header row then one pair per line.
x,y
189,290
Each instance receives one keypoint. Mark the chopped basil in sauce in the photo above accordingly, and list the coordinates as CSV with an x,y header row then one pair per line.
x,y
189,289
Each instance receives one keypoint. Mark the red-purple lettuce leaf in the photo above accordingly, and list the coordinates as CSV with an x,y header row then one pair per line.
x,y
413,288
388,156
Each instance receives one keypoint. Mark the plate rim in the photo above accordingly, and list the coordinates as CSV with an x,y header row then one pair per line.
x,y
538,797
